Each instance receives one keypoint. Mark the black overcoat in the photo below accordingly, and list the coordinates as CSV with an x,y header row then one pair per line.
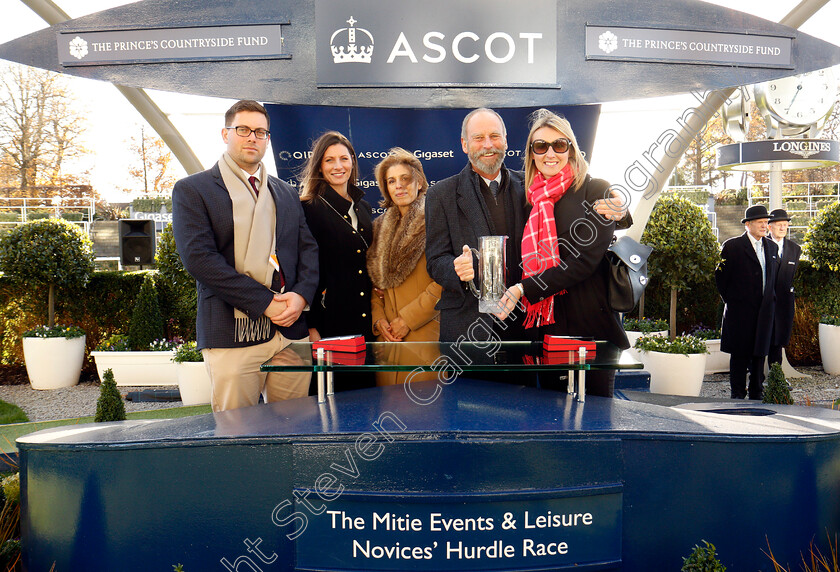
x,y
783,320
748,313
342,303
456,214
583,239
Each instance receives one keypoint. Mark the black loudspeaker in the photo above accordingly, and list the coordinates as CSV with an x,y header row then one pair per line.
x,y
137,242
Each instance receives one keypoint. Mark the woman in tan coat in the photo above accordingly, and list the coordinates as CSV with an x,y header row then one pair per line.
x,y
403,304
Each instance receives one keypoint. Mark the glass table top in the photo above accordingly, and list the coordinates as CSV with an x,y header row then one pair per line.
x,y
435,356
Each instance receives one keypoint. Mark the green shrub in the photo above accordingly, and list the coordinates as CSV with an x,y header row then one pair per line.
x,y
705,333
821,239
703,559
102,308
109,406
644,325
66,332
731,197
830,320
679,345
51,254
114,343
684,247
146,320
152,204
176,288
777,390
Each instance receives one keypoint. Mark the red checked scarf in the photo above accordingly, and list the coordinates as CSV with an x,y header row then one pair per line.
x,y
539,243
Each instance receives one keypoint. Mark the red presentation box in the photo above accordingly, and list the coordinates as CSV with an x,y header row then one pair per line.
x,y
341,344
564,344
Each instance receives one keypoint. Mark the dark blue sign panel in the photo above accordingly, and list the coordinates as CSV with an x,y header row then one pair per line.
x,y
516,531
433,135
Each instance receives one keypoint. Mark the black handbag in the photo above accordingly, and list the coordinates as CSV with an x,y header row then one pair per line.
x,y
628,273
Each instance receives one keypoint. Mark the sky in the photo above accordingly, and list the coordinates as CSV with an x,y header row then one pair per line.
x,y
625,130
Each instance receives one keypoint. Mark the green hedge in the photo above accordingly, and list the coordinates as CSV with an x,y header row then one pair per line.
x,y
103,307
817,294
152,205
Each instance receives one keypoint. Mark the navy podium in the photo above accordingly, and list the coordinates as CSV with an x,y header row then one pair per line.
x,y
484,477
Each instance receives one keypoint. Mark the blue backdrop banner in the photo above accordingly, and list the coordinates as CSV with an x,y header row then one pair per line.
x,y
433,135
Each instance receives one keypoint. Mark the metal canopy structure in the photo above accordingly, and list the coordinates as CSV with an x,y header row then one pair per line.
x,y
582,76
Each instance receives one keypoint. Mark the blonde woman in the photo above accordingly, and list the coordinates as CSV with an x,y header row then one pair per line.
x,y
564,272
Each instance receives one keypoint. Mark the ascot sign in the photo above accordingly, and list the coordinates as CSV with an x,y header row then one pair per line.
x,y
492,43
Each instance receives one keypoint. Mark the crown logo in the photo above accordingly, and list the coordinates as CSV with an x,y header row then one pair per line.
x,y
350,51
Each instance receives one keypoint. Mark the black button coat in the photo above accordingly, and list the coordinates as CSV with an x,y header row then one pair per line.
x,y
748,313
342,302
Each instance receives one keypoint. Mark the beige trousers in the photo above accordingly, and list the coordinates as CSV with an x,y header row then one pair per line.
x,y
236,380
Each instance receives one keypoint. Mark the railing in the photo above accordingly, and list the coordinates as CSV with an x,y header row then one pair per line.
x,y
802,201
17,210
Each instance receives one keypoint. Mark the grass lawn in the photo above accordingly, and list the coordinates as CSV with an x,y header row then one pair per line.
x,y
8,433
10,413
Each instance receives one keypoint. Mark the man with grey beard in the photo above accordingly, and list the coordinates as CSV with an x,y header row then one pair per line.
x,y
484,199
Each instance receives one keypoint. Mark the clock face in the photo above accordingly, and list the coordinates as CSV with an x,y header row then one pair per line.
x,y
799,100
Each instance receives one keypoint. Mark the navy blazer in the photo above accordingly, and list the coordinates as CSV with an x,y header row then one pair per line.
x,y
202,222
748,314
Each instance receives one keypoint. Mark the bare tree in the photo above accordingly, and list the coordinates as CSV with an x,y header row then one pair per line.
x,y
152,164
39,127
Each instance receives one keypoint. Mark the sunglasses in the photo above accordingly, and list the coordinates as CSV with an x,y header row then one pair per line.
x,y
540,147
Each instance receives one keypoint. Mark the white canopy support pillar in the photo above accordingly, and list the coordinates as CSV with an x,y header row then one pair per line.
x,y
141,101
704,112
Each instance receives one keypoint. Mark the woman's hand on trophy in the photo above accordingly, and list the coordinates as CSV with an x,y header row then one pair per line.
x,y
464,265
509,301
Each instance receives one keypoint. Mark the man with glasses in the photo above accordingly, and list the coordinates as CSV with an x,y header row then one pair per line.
x,y
242,235
484,199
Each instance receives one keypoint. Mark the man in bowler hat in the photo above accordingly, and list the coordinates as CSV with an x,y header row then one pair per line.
x,y
789,253
746,280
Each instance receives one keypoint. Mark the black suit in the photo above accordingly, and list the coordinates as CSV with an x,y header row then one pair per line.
x,y
456,214
748,314
783,319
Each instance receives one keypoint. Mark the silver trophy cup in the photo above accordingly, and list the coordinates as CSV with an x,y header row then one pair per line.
x,y
492,272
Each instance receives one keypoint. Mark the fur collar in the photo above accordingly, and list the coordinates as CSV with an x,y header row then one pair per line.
x,y
398,244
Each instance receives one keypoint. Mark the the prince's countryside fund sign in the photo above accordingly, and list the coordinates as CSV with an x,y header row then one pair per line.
x,y
489,43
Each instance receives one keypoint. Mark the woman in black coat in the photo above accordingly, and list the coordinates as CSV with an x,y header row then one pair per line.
x,y
564,285
340,221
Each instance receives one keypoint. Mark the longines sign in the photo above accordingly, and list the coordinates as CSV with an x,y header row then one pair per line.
x,y
691,47
790,153
437,42
210,43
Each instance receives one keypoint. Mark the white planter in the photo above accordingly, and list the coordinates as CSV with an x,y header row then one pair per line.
x,y
138,368
717,361
52,363
830,348
632,336
675,374
193,383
